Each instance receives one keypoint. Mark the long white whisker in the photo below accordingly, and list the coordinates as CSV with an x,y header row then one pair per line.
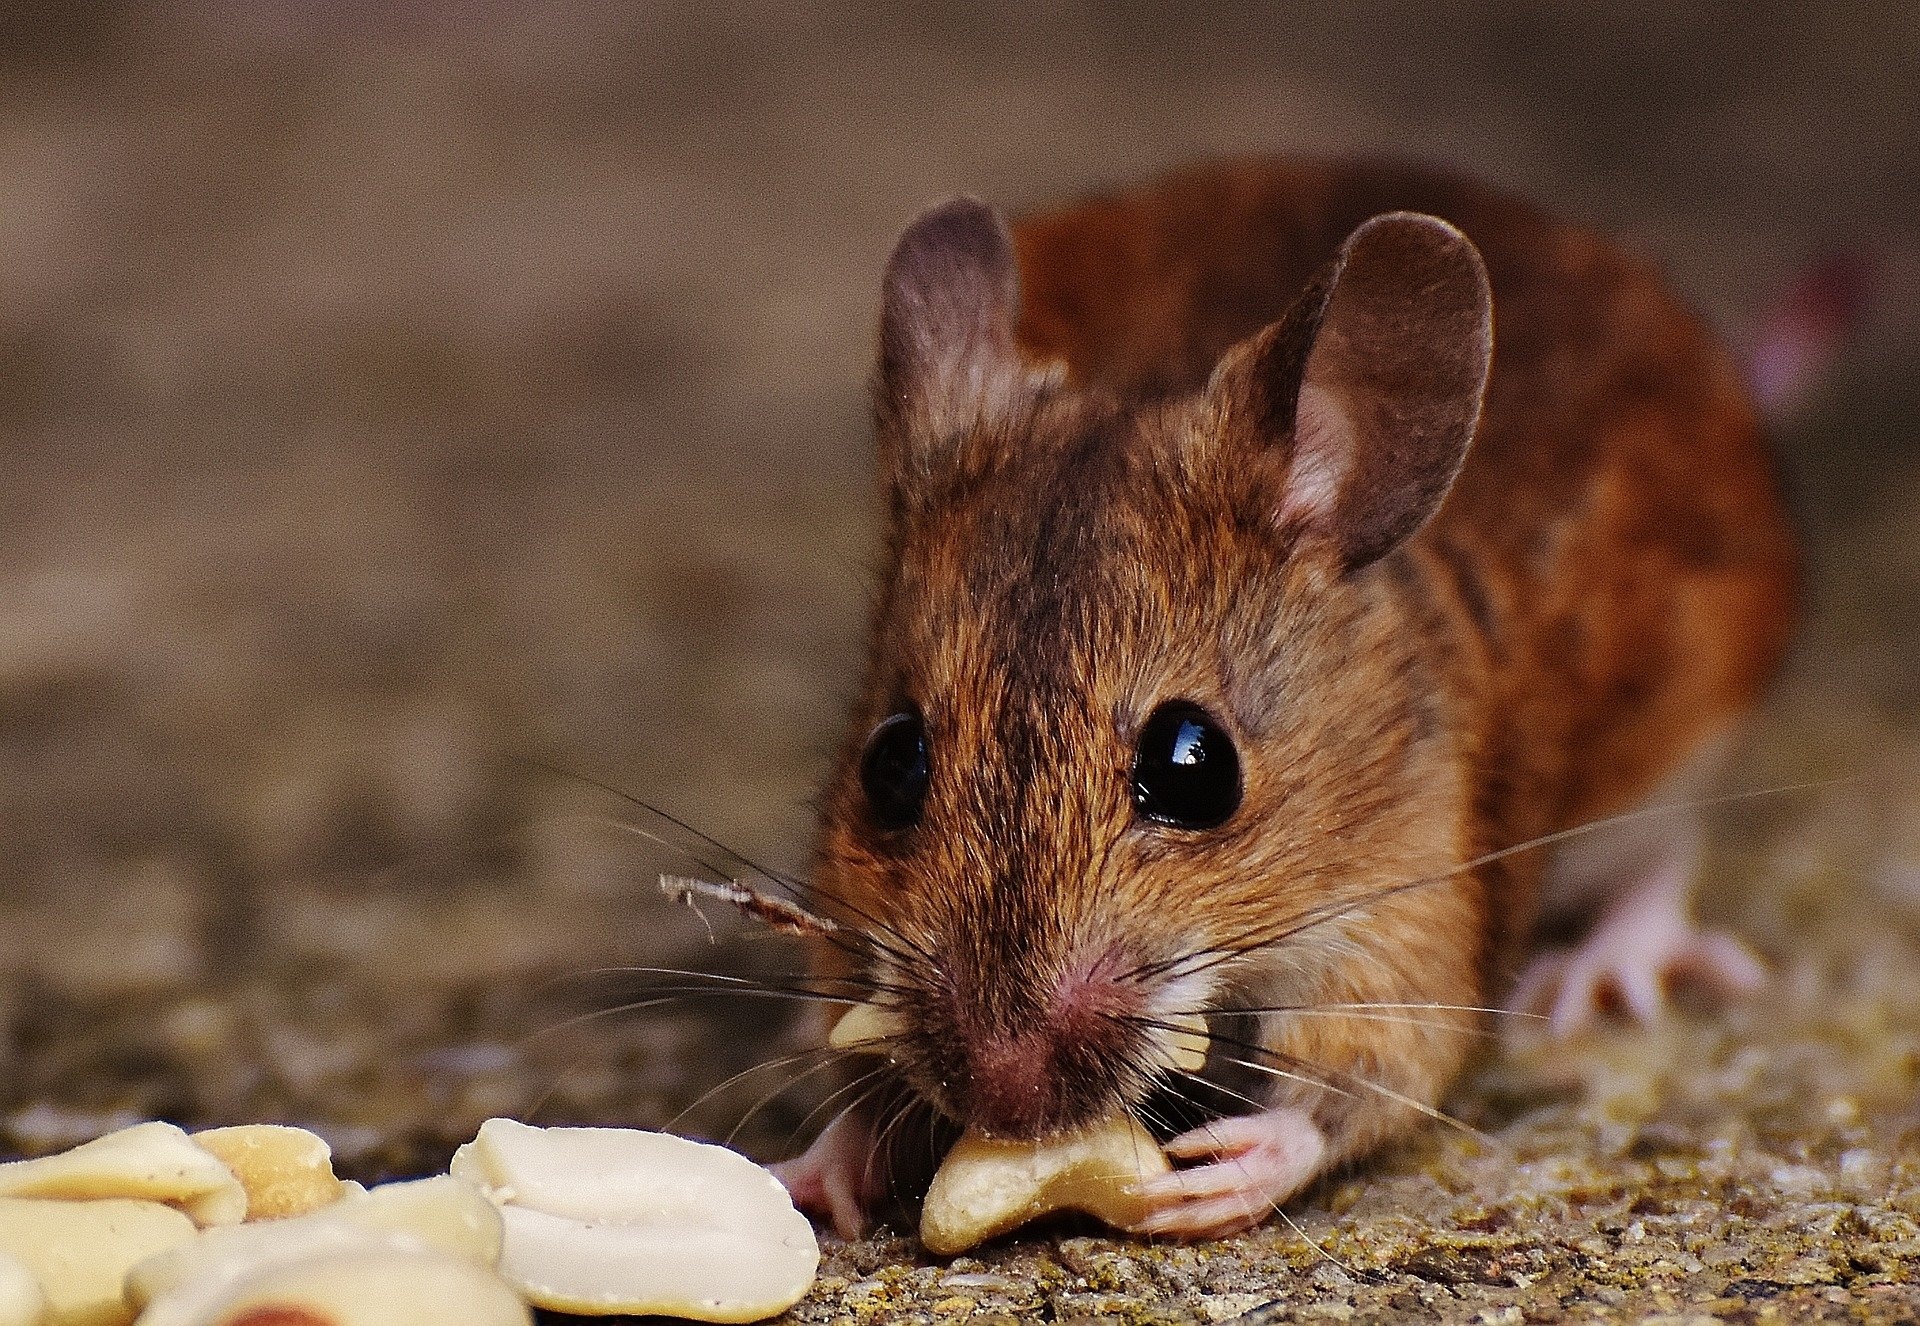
x,y
1208,958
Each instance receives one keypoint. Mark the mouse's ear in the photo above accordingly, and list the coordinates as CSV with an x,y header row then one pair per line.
x,y
1371,385
949,303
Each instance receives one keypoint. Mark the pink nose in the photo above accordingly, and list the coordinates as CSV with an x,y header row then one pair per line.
x,y
1013,1087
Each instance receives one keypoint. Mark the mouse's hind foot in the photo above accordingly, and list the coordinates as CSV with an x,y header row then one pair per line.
x,y
1641,945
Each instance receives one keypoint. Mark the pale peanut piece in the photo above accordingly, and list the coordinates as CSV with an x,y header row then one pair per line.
x,y
80,1252
446,1212
606,1220
443,1215
286,1171
363,1287
151,1161
987,1187
21,1301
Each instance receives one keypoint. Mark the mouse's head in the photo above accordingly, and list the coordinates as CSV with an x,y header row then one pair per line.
x,y
1140,704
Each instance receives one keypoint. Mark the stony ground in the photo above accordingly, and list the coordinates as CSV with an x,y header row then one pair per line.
x,y
405,423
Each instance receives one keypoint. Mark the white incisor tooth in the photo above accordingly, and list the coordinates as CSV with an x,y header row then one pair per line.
x,y
606,1220
1187,1038
864,1025
80,1252
986,1187
154,1162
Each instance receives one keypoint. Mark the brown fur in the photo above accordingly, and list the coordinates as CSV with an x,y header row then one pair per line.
x,y
1083,528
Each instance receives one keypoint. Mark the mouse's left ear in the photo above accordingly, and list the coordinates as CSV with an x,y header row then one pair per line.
x,y
1371,385
948,360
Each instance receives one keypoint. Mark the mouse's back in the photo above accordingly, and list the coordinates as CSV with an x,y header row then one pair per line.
x,y
1615,555
1265,546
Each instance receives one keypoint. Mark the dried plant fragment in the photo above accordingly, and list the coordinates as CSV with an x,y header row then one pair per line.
x,y
80,1252
150,1161
286,1171
605,1220
986,1187
789,918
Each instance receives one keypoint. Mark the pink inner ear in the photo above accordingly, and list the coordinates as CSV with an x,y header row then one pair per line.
x,y
1323,451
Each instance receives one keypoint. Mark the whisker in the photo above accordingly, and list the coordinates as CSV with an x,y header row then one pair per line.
x,y
1201,1079
1365,1277
1419,1006
1248,941
645,835
866,985
1367,1083
675,995
540,1101
1357,1012
889,1133
1303,1079
789,1084
793,888
820,1052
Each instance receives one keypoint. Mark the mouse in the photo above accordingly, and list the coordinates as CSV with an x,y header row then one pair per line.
x,y
1285,562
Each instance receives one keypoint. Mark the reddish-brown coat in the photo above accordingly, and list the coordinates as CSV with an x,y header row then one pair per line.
x,y
1609,583
1615,568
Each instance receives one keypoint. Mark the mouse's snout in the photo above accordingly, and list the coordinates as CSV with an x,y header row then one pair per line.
x,y
1024,1068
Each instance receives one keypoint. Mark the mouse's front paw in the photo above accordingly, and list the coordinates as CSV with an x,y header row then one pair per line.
x,y
1254,1162
838,1178
1629,963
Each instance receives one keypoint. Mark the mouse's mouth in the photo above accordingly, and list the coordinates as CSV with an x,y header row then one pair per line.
x,y
1032,1079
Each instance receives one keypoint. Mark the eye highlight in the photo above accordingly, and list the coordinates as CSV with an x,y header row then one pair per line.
x,y
1185,770
893,771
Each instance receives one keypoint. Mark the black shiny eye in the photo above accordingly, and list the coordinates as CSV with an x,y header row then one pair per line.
x,y
1185,770
893,771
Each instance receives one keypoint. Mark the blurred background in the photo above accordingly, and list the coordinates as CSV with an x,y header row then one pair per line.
x,y
391,396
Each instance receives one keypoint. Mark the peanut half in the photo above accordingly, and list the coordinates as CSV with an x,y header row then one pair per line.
x,y
363,1286
80,1251
150,1161
986,1187
606,1220
285,1171
444,1215
21,1301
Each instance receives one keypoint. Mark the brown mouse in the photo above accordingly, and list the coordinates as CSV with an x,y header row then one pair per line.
x,y
1267,548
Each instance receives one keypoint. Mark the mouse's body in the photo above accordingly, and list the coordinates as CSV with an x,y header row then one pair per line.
x,y
1235,599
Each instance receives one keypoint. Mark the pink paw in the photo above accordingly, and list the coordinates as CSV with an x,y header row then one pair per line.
x,y
1255,1162
1629,962
837,1178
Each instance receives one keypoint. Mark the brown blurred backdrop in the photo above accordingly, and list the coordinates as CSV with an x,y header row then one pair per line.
x,y
388,393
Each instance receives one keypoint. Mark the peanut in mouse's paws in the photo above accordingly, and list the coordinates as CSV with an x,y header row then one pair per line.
x,y
1254,1163
838,1178
1629,961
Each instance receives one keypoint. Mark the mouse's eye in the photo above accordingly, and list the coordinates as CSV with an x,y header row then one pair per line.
x,y
1185,770
893,771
